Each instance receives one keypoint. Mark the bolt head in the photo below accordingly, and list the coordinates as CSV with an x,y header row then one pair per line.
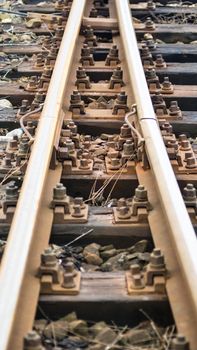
x,y
32,340
59,192
157,259
141,193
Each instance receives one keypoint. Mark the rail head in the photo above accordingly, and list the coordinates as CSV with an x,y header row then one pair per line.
x,y
181,230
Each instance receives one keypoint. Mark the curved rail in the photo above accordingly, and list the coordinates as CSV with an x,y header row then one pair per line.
x,y
23,225
182,232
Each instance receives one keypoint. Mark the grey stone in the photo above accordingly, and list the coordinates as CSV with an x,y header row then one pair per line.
x,y
141,246
106,267
106,336
106,247
132,256
108,253
57,329
96,347
136,337
117,262
97,328
70,317
89,267
79,327
144,257
91,254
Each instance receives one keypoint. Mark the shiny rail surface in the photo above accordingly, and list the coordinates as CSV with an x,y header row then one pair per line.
x,y
23,226
181,231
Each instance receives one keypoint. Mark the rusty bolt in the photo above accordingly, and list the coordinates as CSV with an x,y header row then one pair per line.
x,y
122,98
11,191
182,137
121,203
157,259
167,86
32,341
77,213
124,213
115,162
93,13
7,162
191,163
73,127
48,258
84,164
70,268
89,32
32,83
39,97
141,194
59,31
151,43
188,155
30,127
145,52
125,130
86,155
113,52
39,60
99,3
47,72
151,74
75,97
117,73
174,109
128,147
68,281
23,145
81,73
137,281
13,144
135,269
151,5
79,201
185,145
179,343
9,155
85,51
160,63
59,191
24,106
149,24
70,145
189,193
158,99
172,144
167,127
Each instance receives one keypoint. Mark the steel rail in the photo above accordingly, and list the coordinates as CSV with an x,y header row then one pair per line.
x,y
181,231
22,231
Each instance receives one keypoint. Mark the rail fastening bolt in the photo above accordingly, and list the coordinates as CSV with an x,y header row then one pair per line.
x,y
32,341
59,191
189,193
157,259
48,258
179,343
68,280
141,194
77,213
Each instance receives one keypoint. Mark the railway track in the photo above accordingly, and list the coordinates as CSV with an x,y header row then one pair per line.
x,y
98,175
